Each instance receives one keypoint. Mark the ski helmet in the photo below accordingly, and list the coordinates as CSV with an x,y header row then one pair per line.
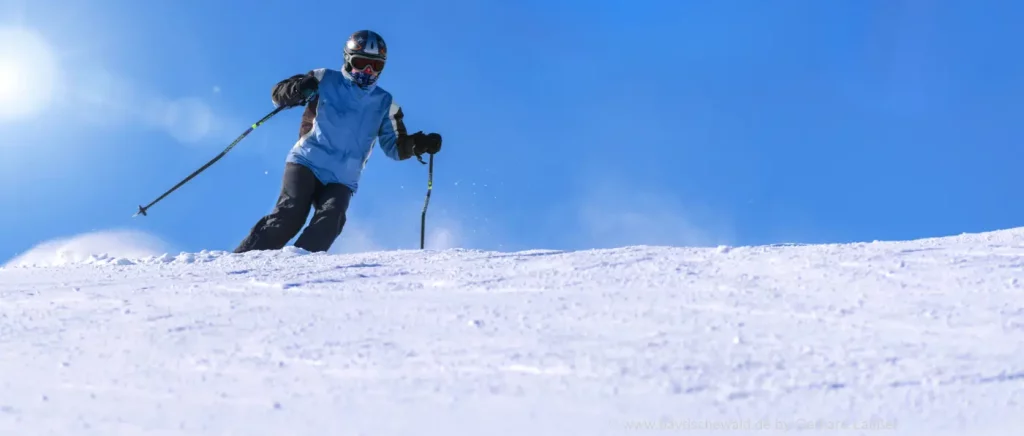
x,y
365,56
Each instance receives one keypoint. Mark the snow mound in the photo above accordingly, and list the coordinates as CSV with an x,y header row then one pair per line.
x,y
104,247
901,337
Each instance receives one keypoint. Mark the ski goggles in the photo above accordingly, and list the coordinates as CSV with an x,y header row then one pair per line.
x,y
361,63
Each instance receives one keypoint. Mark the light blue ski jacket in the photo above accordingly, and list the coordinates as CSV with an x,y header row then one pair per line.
x,y
341,124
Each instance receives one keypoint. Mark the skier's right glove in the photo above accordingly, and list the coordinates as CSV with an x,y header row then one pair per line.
x,y
422,143
295,90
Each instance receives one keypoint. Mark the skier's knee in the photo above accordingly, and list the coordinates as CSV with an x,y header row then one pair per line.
x,y
288,217
341,222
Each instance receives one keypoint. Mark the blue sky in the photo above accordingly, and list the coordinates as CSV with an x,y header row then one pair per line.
x,y
567,124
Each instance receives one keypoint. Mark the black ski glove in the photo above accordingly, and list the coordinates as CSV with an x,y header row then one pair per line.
x,y
294,90
422,143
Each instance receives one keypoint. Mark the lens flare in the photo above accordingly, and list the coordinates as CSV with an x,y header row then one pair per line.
x,y
28,74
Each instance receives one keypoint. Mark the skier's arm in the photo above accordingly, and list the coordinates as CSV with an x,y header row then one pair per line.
x,y
294,90
392,135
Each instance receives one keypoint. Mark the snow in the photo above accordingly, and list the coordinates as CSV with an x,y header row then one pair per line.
x,y
921,337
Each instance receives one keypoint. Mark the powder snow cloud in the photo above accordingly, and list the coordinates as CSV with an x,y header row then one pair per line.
x,y
124,243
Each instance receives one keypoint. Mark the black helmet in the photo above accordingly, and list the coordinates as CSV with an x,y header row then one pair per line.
x,y
365,56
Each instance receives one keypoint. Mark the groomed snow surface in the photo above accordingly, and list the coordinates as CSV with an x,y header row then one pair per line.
x,y
919,337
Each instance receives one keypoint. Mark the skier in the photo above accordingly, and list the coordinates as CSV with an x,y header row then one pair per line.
x,y
345,113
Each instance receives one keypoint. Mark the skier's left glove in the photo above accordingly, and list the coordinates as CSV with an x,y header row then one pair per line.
x,y
425,143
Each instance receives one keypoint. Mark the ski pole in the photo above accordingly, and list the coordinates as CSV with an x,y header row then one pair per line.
x,y
426,202
143,209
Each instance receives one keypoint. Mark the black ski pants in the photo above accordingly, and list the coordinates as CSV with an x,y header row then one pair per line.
x,y
300,190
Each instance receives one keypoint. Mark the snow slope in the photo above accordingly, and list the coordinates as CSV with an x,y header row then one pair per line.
x,y
918,337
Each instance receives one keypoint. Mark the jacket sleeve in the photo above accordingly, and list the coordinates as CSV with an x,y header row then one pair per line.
x,y
290,89
393,137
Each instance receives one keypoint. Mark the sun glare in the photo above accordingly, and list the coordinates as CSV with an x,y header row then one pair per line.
x,y
28,70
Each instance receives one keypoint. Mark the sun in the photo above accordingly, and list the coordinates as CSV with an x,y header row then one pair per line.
x,y
28,73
